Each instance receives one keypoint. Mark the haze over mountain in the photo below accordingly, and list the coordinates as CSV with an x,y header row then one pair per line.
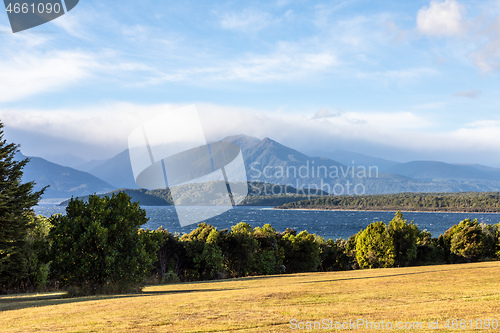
x,y
63,182
271,162
116,171
432,170
386,176
350,158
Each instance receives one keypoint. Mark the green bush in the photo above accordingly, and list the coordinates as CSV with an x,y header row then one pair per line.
x,y
97,247
37,252
204,259
404,238
269,256
301,251
375,247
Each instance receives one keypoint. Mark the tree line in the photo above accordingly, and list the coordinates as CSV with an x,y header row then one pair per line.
x,y
462,201
98,247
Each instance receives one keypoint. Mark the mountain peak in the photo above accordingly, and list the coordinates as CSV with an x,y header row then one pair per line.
x,y
245,142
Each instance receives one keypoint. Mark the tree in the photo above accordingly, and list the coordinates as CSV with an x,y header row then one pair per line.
x,y
16,203
240,248
269,257
404,237
37,248
96,246
471,240
205,260
375,247
333,255
171,255
301,251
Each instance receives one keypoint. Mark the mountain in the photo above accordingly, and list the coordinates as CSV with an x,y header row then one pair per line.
x,y
89,165
116,171
351,158
69,160
432,170
272,162
64,181
245,142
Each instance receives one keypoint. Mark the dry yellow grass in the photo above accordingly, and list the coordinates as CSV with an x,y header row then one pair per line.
x,y
267,304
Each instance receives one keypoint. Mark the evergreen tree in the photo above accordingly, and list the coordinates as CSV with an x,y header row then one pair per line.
x,y
16,202
97,247
375,247
404,236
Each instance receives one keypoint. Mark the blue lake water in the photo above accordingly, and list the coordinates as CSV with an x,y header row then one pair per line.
x,y
329,224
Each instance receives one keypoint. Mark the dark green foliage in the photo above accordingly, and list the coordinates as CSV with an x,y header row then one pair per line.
x,y
97,245
37,252
16,202
333,255
269,257
428,250
404,238
203,254
463,201
240,250
301,251
471,241
171,255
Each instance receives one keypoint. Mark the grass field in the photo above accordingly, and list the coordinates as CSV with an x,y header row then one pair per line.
x,y
268,304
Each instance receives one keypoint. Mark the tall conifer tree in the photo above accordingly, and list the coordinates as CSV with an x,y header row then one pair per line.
x,y
16,202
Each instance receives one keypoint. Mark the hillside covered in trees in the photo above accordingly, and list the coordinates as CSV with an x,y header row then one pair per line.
x,y
259,194
426,202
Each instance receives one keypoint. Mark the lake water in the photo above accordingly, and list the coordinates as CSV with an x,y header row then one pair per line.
x,y
329,224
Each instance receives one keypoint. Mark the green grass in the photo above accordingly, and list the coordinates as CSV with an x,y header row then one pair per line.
x,y
268,303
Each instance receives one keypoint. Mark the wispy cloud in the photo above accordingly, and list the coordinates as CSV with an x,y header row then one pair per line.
x,y
288,61
487,57
469,94
399,75
325,113
31,74
246,20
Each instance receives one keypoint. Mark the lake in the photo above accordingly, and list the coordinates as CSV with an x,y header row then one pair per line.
x,y
326,223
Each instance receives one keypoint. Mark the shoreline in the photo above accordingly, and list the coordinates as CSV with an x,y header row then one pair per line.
x,y
389,210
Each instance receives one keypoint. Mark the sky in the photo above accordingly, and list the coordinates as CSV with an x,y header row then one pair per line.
x,y
401,80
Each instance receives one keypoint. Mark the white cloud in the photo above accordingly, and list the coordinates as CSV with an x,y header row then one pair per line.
x,y
288,61
29,74
440,19
246,20
109,125
325,113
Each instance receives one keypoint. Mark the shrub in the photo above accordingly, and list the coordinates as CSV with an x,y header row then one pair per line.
x,y
375,247
96,246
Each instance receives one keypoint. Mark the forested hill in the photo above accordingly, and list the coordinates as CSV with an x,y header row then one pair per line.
x,y
259,194
448,202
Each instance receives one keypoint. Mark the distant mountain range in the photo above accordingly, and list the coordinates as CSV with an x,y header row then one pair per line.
x,y
269,161
63,182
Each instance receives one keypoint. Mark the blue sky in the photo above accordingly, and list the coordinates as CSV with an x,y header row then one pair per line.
x,y
400,80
